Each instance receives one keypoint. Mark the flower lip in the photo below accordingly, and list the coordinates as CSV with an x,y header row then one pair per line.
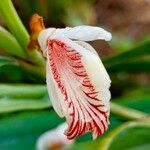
x,y
82,105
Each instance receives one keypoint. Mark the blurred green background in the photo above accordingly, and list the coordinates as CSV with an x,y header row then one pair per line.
x,y
25,109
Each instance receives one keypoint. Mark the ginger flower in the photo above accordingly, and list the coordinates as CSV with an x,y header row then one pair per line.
x,y
54,139
77,82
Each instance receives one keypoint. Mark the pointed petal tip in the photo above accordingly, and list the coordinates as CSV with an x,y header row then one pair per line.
x,y
106,36
73,131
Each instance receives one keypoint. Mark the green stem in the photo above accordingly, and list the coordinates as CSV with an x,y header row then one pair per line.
x,y
13,22
36,58
125,112
17,28
10,45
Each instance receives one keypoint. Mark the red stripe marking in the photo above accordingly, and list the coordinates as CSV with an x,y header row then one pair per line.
x,y
67,67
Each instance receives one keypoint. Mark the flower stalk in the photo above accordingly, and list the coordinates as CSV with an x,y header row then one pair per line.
x,y
13,47
14,23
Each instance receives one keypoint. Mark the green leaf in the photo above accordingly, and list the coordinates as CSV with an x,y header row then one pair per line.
x,y
141,103
138,93
15,76
10,45
134,66
12,73
14,23
11,105
23,97
126,112
6,61
21,130
34,97
132,135
23,91
143,49
8,65
39,72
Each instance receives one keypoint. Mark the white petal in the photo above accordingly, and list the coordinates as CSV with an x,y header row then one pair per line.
x,y
81,104
53,91
54,136
87,46
96,72
93,64
95,69
86,33
42,38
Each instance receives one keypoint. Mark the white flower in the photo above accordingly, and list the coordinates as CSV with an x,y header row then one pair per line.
x,y
77,81
54,139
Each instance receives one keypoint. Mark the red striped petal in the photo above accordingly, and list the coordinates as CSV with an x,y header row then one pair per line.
x,y
84,108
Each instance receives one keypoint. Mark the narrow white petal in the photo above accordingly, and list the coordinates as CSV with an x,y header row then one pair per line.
x,y
86,33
